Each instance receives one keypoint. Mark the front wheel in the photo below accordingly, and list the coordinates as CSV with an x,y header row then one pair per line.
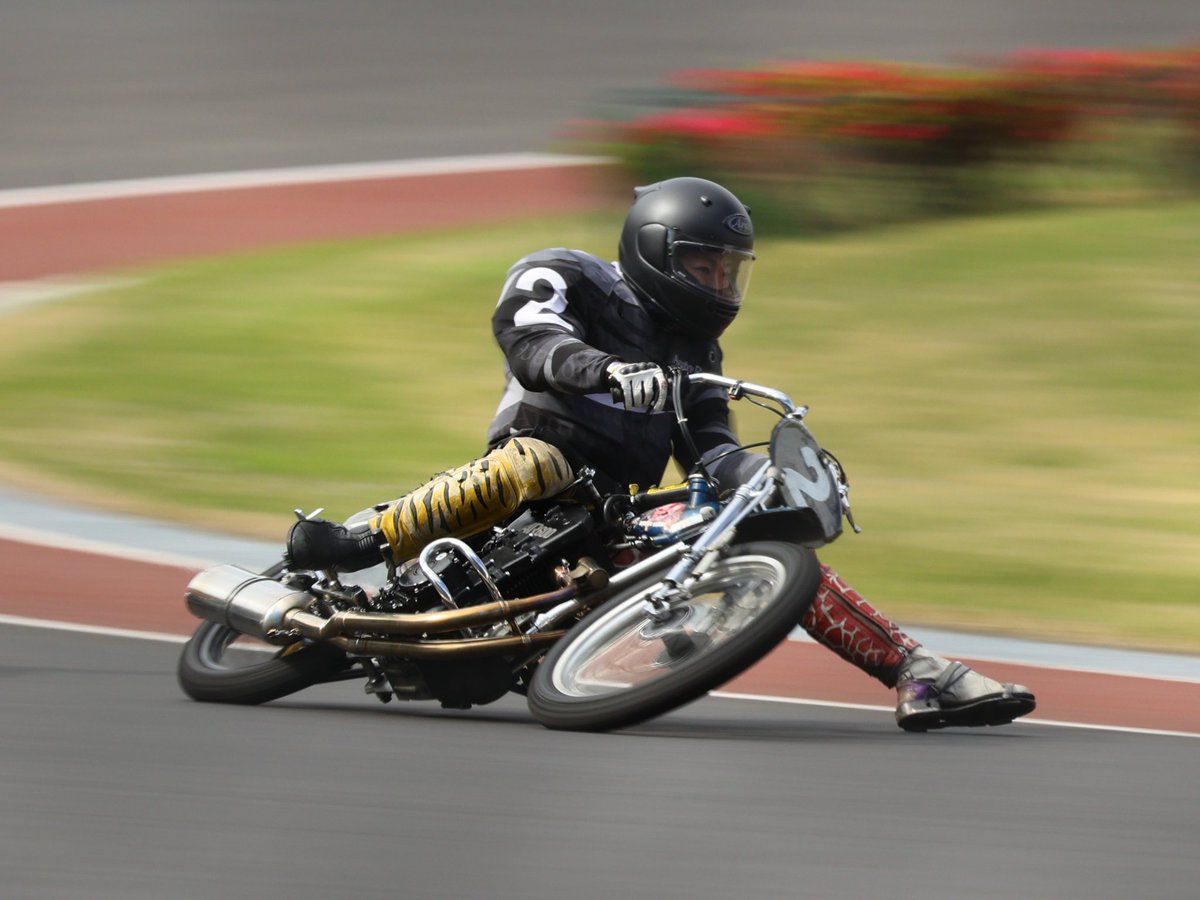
x,y
618,667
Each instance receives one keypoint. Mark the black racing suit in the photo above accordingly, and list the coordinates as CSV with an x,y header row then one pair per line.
x,y
563,317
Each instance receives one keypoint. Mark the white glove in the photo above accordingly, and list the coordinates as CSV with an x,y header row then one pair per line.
x,y
638,385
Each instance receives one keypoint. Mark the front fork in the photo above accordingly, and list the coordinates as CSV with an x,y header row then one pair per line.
x,y
746,499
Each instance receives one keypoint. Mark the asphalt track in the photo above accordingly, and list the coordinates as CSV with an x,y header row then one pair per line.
x,y
114,785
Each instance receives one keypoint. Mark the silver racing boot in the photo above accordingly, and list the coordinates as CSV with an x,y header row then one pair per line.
x,y
933,692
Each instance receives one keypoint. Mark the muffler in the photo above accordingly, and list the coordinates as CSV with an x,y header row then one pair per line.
x,y
244,601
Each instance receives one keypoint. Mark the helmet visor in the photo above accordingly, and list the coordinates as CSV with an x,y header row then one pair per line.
x,y
721,272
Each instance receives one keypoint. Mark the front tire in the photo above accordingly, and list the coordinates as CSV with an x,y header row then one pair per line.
x,y
617,667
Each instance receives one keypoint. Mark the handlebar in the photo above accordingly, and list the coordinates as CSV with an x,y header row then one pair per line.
x,y
736,389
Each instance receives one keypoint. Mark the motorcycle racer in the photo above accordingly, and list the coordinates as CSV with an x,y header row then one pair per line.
x,y
576,332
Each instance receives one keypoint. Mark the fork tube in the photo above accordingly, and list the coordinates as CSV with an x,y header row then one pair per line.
x,y
745,500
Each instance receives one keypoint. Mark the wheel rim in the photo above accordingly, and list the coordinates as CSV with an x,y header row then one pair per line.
x,y
223,649
625,649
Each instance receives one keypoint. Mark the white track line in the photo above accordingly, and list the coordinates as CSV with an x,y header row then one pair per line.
x,y
23,535
258,178
798,701
52,625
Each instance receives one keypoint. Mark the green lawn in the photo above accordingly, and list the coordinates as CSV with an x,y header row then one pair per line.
x,y
1017,399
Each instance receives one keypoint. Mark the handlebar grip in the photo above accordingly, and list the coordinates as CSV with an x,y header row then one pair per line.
x,y
645,500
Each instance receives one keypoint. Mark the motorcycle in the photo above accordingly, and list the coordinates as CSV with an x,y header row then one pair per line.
x,y
546,604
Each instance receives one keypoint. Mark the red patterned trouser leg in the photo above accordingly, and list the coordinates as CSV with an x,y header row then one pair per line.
x,y
843,620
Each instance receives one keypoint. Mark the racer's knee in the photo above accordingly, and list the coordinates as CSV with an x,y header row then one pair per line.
x,y
474,497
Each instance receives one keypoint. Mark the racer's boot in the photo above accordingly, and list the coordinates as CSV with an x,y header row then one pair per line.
x,y
932,692
321,544
459,503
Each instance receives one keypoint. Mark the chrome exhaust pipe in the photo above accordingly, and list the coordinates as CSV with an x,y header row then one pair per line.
x,y
352,622
261,607
244,601
470,647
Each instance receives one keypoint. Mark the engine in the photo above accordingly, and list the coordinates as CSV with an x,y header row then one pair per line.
x,y
520,559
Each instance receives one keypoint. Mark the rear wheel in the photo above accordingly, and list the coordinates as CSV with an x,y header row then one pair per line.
x,y
618,667
220,665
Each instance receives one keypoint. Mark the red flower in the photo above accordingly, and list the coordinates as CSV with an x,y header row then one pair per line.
x,y
701,123
893,131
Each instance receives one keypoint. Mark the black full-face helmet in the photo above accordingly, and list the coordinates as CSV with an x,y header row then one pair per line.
x,y
687,249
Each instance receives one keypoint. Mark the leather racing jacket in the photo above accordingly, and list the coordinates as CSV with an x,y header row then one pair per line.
x,y
563,317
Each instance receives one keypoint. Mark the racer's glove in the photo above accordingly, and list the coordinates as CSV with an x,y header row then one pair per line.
x,y
638,385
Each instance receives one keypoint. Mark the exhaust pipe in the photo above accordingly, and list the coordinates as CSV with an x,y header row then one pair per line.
x,y
261,607
244,601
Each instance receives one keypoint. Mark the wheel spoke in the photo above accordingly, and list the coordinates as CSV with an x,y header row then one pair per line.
x,y
625,648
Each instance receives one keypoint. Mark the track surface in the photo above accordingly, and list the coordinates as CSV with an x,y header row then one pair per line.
x,y
114,785
135,88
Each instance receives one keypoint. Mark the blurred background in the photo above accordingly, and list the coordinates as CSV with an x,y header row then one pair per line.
x,y
977,226
134,88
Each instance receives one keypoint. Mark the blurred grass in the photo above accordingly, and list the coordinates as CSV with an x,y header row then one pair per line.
x,y
1016,399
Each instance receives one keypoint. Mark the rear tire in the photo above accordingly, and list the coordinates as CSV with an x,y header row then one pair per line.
x,y
616,668
205,675
215,668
